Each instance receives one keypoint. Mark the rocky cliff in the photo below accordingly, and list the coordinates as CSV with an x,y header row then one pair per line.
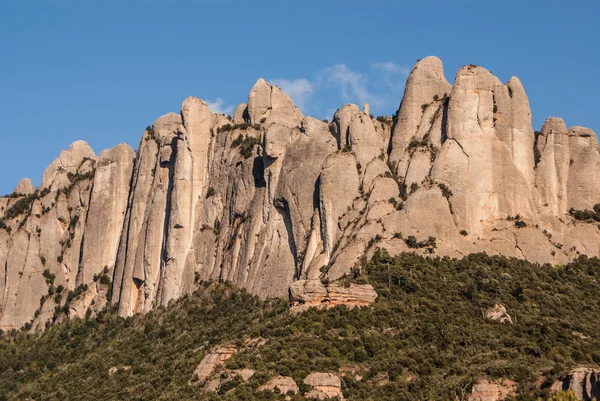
x,y
270,197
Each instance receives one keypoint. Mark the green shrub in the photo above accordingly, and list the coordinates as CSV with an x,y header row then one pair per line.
x,y
412,242
586,215
48,276
247,146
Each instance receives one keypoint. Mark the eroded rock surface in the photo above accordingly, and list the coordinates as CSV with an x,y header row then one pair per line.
x,y
584,382
497,390
498,314
284,384
305,294
216,357
325,386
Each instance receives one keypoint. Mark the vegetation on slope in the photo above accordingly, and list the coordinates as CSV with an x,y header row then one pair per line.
x,y
424,338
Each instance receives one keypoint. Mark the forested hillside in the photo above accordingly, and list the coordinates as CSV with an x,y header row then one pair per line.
x,y
425,337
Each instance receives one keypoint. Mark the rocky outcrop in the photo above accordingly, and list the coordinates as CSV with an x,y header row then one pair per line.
x,y
24,187
215,358
106,213
284,384
271,199
305,294
498,313
325,386
497,390
584,382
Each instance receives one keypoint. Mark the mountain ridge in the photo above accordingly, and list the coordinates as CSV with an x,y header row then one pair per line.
x,y
271,197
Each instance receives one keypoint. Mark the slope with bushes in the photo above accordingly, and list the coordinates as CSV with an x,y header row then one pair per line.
x,y
425,337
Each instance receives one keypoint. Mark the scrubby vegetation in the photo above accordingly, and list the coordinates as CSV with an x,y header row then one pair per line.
x,y
246,144
23,205
518,222
586,215
3,226
412,242
424,338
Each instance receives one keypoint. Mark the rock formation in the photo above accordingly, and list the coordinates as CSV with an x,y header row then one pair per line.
x,y
271,199
285,385
305,294
498,314
216,357
325,386
497,390
582,381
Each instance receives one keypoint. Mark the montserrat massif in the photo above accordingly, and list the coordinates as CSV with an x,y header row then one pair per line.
x,y
272,200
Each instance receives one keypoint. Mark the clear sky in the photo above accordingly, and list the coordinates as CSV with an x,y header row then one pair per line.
x,y
102,71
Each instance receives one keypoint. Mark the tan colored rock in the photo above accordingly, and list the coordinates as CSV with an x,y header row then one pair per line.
x,y
137,276
367,143
107,209
418,168
114,369
498,313
341,120
69,161
305,294
325,385
277,138
273,105
584,382
375,168
25,187
245,373
241,114
338,187
425,84
287,198
24,270
512,120
283,383
552,171
584,169
498,390
476,166
216,357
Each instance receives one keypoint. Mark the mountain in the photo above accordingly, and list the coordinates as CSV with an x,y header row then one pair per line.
x,y
271,200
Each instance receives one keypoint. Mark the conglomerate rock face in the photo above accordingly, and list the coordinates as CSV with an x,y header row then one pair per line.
x,y
271,197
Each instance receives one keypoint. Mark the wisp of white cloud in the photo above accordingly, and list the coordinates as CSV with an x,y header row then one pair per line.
x,y
391,68
351,82
299,90
387,79
217,106
394,75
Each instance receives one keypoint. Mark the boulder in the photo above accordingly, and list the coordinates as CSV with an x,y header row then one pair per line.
x,y
325,386
283,383
216,357
498,313
497,390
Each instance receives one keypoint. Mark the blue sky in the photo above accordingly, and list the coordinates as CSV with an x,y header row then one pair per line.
x,y
101,71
